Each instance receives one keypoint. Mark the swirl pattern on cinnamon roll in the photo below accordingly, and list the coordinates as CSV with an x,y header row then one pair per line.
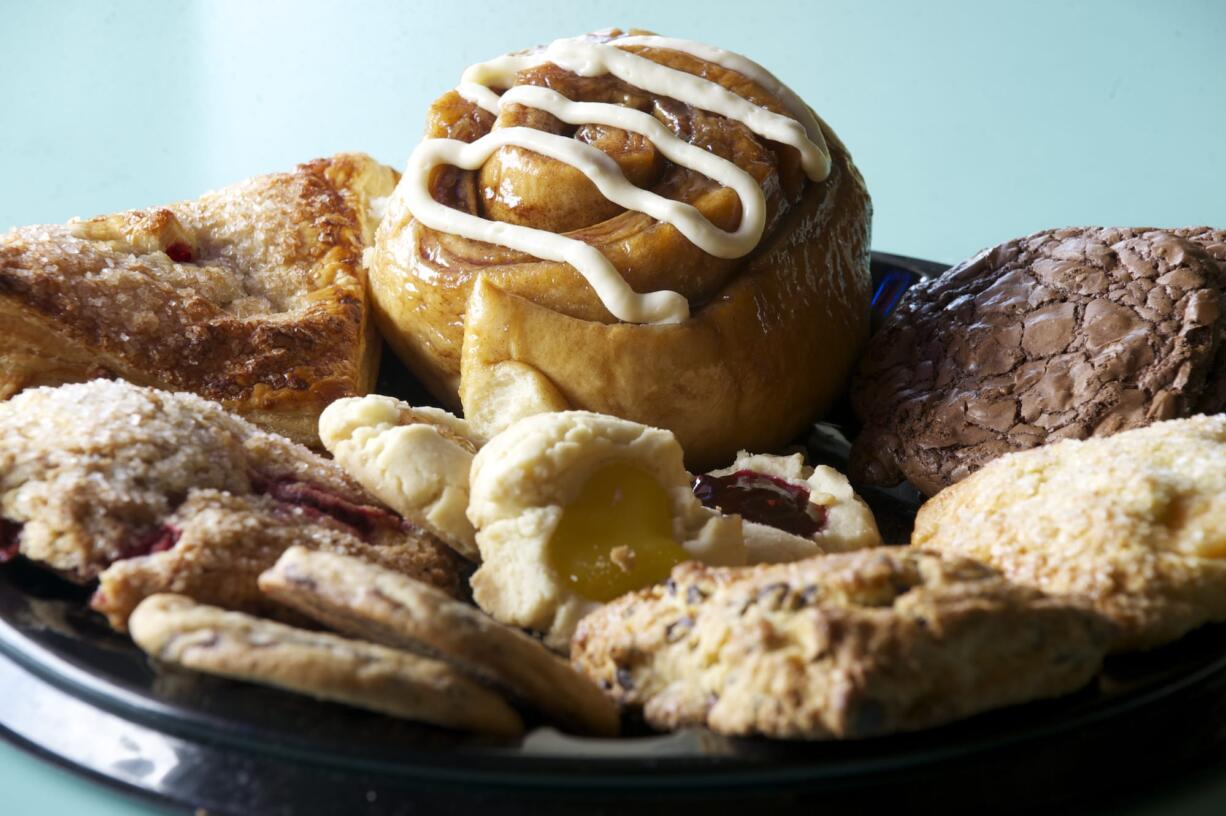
x,y
630,224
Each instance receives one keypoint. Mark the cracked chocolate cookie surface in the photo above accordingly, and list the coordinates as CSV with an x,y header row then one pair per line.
x,y
1064,334
843,645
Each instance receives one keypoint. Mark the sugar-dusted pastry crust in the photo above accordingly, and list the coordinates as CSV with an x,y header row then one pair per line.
x,y
848,525
523,479
362,600
416,460
177,630
220,543
253,295
1064,334
844,645
182,494
1135,523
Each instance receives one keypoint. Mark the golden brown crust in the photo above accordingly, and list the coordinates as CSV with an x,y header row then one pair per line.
x,y
108,473
1135,523
253,295
361,600
843,645
223,542
176,630
771,338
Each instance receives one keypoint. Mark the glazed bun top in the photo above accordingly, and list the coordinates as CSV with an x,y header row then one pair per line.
x,y
583,151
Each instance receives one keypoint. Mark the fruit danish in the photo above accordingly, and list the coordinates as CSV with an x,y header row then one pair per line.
x,y
253,295
634,225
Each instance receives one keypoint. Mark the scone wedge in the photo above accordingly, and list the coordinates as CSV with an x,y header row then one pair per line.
x,y
158,492
853,644
363,600
177,630
253,295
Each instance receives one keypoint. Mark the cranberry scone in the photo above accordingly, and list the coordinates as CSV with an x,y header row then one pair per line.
x,y
151,491
253,295
842,645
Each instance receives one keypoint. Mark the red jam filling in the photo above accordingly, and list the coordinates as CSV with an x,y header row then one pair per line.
x,y
179,252
316,502
159,539
765,499
10,531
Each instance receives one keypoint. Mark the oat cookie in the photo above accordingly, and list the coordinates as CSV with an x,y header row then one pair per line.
x,y
1064,334
843,645
1134,522
177,630
363,600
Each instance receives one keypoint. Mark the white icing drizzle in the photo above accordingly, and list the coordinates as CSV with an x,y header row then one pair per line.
x,y
588,57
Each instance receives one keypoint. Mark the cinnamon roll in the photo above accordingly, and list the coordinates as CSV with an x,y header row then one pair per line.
x,y
633,225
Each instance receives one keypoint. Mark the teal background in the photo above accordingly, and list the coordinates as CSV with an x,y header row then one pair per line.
x,y
972,123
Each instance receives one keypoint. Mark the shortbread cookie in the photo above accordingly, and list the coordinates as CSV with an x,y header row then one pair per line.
x,y
415,459
1065,334
573,509
843,645
790,510
179,631
366,601
1135,522
215,545
100,472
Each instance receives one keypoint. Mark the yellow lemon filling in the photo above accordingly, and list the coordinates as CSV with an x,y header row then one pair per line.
x,y
616,536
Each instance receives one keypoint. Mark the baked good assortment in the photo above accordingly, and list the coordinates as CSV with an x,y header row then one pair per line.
x,y
253,295
631,269
632,225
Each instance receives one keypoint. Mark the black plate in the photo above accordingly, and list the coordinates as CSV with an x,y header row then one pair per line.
x,y
82,695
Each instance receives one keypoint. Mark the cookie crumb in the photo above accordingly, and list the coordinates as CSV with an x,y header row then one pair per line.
x,y
623,557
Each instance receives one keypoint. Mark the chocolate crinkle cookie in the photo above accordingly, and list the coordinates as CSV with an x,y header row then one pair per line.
x,y
1063,334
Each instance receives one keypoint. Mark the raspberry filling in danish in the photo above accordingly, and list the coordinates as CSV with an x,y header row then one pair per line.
x,y
763,499
363,519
